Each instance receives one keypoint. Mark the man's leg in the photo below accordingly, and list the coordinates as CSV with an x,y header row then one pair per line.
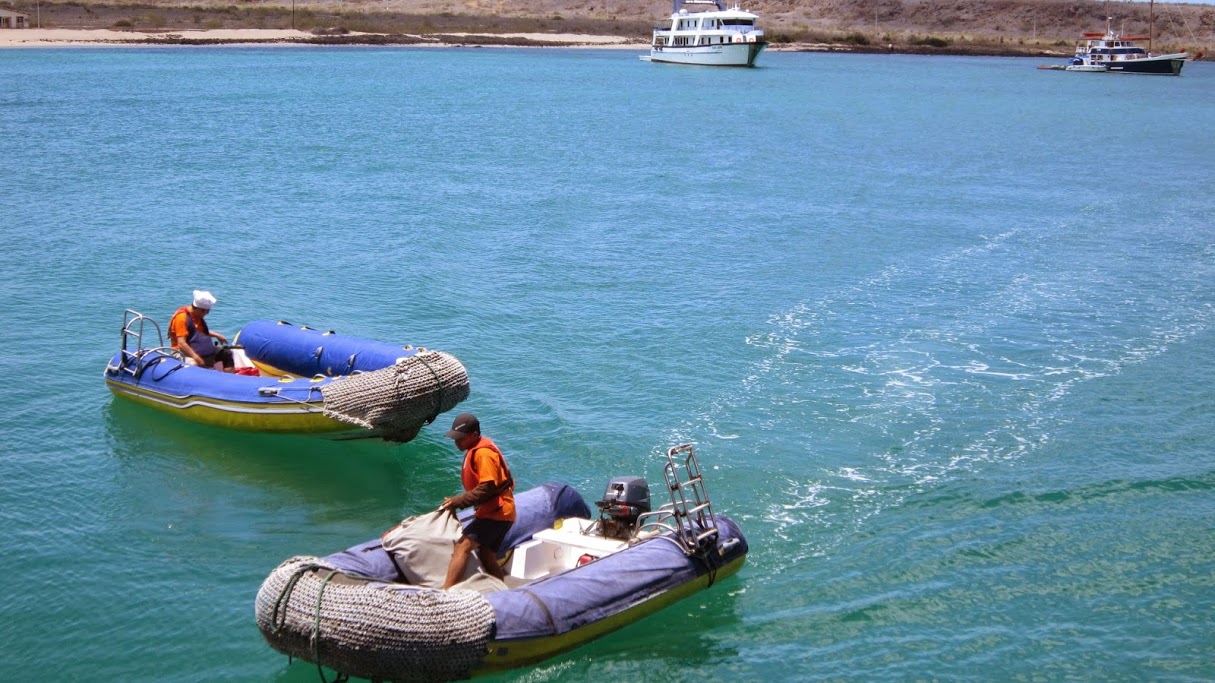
x,y
489,560
459,558
225,357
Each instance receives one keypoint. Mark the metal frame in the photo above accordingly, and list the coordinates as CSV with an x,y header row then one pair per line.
x,y
133,328
689,515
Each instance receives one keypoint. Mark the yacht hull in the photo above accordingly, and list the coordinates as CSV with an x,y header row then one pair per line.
x,y
729,54
1162,66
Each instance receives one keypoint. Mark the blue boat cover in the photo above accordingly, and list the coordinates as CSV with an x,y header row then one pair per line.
x,y
562,602
536,508
307,352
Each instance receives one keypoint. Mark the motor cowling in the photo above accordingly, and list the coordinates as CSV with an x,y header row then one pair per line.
x,y
624,500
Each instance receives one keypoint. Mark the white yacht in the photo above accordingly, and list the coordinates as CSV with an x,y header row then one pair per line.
x,y
1120,54
1112,53
719,37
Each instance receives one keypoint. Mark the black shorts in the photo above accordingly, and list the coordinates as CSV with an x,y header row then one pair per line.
x,y
488,532
222,354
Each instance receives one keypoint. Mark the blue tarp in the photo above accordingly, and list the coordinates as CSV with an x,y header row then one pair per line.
x,y
566,601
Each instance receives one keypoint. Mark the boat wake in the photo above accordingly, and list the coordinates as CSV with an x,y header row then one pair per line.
x,y
936,368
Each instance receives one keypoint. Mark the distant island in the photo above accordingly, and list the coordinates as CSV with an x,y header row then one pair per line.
x,y
967,27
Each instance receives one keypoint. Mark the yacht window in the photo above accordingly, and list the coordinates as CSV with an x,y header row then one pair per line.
x,y
738,22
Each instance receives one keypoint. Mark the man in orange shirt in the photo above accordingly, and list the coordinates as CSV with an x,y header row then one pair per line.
x,y
489,488
189,334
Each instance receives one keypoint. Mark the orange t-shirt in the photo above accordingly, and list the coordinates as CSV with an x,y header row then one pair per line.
x,y
178,327
484,462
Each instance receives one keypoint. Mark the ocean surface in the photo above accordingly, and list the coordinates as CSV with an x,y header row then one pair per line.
x,y
941,329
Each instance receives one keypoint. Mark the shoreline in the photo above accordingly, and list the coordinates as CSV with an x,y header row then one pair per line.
x,y
51,37
35,38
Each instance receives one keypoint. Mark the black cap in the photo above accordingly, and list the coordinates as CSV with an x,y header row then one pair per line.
x,y
463,425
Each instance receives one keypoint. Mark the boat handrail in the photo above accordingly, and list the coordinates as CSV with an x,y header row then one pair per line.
x,y
720,4
659,523
129,319
133,330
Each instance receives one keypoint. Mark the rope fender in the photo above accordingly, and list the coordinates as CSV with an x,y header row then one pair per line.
x,y
399,400
307,609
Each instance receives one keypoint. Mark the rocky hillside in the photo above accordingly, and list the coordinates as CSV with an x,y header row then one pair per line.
x,y
967,26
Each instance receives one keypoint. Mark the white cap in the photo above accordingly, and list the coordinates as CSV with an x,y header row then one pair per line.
x,y
203,299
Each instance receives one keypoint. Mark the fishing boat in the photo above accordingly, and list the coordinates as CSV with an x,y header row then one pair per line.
x,y
291,380
1113,53
372,612
719,37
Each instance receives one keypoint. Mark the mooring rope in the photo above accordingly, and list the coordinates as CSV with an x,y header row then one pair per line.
x,y
280,604
280,608
316,634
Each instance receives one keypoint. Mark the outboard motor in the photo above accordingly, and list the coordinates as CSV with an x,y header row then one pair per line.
x,y
625,499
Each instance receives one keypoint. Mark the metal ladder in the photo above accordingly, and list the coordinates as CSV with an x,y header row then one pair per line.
x,y
694,524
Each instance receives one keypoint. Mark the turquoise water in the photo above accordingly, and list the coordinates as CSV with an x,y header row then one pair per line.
x,y
942,329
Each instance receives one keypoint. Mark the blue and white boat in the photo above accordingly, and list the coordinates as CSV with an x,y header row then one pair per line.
x,y
569,579
306,381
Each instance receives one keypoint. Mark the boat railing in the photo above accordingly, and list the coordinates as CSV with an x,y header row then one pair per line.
x,y
679,4
133,330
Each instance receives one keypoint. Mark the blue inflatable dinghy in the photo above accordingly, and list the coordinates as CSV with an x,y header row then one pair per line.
x,y
570,578
300,381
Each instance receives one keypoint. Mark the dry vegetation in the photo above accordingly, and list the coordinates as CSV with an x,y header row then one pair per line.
x,y
942,26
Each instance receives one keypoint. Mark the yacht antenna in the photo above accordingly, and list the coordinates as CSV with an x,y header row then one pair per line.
x,y
1151,23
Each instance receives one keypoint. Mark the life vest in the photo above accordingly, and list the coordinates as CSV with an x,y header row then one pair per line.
x,y
198,335
502,505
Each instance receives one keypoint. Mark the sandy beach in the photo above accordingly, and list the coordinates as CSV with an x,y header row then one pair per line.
x,y
52,37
